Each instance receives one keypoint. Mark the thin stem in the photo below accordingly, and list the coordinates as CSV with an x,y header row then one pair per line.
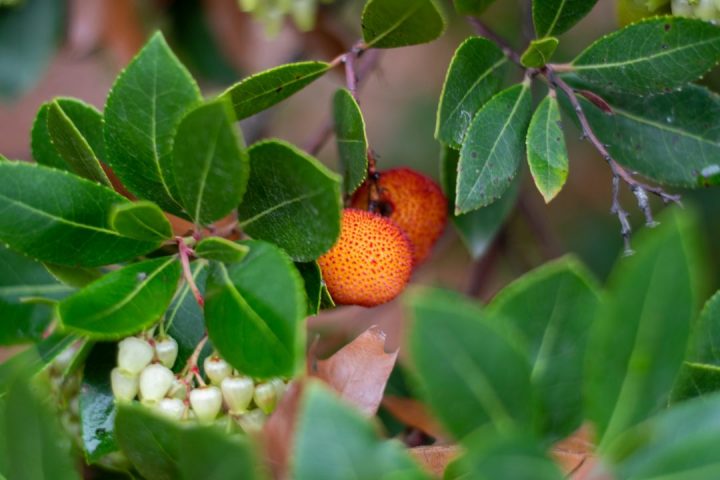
x,y
191,367
185,254
488,33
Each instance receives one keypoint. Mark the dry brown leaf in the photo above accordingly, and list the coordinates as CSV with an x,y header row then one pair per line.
x,y
434,459
278,432
360,370
574,454
413,413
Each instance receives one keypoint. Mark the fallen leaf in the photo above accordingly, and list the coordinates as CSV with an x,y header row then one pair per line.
x,y
360,370
413,413
434,459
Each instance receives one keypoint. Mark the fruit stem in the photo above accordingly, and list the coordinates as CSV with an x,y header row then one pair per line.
x,y
191,367
185,254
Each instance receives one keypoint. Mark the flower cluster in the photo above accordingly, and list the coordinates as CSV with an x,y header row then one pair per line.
x,y
703,9
144,371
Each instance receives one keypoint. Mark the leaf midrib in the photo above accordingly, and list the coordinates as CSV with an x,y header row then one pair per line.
x,y
280,205
409,13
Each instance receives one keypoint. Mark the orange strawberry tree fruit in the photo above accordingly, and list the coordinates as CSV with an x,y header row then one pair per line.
x,y
157,353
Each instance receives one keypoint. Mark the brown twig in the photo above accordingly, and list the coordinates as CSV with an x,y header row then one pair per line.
x,y
488,33
185,253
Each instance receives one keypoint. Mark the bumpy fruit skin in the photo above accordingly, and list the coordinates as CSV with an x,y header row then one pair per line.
x,y
414,202
371,262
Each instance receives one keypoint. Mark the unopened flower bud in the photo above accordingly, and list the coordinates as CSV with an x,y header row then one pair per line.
x,y
134,354
166,351
171,408
252,421
265,397
238,393
216,369
206,403
124,384
155,381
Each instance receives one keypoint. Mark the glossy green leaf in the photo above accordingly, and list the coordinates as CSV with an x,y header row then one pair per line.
x,y
76,277
38,449
546,150
475,74
85,118
333,441
73,147
472,7
255,324
67,215
553,17
639,339
539,52
515,456
351,139
21,277
221,250
399,23
457,350
316,291
141,220
34,29
553,308
209,163
162,449
263,90
97,403
124,301
142,112
680,443
493,149
477,229
184,319
292,200
664,137
652,55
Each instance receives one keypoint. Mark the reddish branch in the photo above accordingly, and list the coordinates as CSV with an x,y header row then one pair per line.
x,y
185,253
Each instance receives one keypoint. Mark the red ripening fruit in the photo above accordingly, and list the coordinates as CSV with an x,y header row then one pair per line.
x,y
414,202
371,262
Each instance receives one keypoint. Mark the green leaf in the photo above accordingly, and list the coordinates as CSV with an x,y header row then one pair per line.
x,y
73,147
639,339
477,229
33,359
209,163
141,220
184,320
493,148
553,17
97,403
67,215
162,449
399,23
546,150
86,120
664,137
33,28
333,441
21,277
38,448
539,52
700,373
553,308
263,90
472,7
475,74
652,55
255,324
142,112
457,351
680,443
490,456
76,277
292,200
124,301
316,291
351,139
221,250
